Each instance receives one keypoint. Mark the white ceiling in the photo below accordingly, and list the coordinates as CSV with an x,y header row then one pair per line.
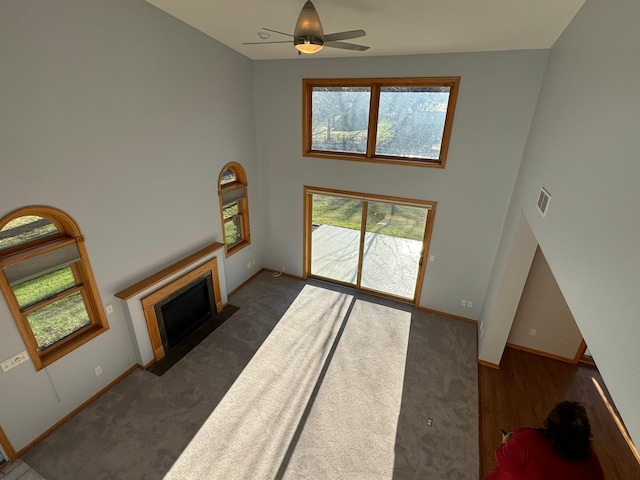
x,y
398,27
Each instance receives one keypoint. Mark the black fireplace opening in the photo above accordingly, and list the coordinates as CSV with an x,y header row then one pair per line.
x,y
185,318
182,312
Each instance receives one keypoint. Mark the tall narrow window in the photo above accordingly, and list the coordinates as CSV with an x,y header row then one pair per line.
x,y
405,121
48,283
234,208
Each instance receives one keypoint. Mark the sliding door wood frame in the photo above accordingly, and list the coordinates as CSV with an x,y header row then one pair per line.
x,y
366,197
363,229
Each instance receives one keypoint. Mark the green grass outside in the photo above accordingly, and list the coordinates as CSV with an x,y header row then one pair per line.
x,y
385,218
33,291
59,319
232,229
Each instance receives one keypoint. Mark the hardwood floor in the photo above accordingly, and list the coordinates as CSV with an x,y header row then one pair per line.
x,y
524,391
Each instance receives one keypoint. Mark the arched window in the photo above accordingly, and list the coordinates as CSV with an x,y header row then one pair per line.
x,y
48,283
234,207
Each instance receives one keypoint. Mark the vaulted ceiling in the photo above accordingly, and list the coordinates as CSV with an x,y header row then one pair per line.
x,y
398,27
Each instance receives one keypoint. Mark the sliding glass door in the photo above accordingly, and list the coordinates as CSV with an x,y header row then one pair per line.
x,y
335,250
393,248
370,242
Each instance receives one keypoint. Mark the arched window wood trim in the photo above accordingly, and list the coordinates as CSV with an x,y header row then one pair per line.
x,y
234,207
27,272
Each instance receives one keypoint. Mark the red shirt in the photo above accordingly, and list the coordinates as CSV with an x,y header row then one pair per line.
x,y
527,455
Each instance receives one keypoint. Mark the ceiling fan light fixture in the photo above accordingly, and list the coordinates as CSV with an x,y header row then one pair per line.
x,y
308,45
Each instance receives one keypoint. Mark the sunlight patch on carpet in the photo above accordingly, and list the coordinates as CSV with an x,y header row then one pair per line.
x,y
351,430
252,426
293,414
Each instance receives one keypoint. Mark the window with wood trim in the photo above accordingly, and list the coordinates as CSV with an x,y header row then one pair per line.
x,y
48,283
234,208
403,121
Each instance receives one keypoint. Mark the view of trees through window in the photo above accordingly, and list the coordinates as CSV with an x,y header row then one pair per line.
x,y
340,119
392,119
411,121
232,224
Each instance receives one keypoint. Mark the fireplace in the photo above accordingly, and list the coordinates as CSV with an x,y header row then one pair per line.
x,y
141,297
177,309
182,312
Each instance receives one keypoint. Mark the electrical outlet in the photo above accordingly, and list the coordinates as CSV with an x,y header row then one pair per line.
x,y
98,370
429,422
469,304
109,309
432,258
463,303
533,332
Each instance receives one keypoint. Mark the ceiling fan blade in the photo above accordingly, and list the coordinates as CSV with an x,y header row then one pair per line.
x,y
276,31
346,46
332,37
262,43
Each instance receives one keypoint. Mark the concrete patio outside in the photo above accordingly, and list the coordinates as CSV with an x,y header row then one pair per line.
x,y
390,264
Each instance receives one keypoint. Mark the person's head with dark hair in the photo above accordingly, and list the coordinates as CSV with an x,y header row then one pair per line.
x,y
567,428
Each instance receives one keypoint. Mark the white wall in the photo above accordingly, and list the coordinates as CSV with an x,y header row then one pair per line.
x,y
543,308
496,101
583,148
123,117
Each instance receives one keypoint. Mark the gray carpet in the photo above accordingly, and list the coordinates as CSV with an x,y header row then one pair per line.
x,y
306,381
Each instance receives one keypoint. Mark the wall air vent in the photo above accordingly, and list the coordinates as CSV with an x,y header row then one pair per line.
x,y
543,201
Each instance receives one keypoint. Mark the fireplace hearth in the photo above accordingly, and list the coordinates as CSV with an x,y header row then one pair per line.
x,y
191,341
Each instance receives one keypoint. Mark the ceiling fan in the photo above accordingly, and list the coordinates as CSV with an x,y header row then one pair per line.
x,y
308,36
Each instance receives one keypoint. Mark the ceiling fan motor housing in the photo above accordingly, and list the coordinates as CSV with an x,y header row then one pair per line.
x,y
308,24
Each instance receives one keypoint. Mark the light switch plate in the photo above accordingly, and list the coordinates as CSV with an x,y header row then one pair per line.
x,y
14,361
